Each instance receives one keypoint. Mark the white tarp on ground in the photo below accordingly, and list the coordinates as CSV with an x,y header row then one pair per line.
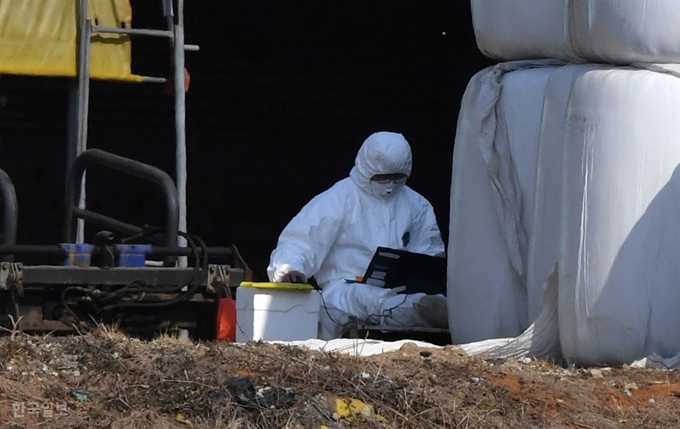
x,y
509,347
355,347
605,195
612,31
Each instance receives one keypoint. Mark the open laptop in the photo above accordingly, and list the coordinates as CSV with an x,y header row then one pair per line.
x,y
392,268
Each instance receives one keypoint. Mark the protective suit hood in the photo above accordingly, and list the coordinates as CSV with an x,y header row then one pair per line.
x,y
381,153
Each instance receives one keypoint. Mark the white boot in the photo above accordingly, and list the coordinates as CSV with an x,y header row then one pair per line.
x,y
434,309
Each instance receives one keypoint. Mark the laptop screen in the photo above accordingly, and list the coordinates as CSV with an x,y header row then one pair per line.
x,y
418,272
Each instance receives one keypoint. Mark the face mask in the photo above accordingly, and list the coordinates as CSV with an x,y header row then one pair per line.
x,y
384,190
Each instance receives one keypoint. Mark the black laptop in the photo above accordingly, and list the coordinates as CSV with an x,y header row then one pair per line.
x,y
391,268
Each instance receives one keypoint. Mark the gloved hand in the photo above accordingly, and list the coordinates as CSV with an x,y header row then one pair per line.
x,y
294,277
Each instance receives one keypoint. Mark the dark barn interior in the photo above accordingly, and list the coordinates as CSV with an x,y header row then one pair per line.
x,y
282,95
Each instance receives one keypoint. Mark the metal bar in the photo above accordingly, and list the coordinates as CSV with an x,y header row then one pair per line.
x,y
107,221
187,251
180,121
194,48
53,249
10,212
132,31
31,249
151,79
83,74
168,10
169,15
83,54
128,166
162,276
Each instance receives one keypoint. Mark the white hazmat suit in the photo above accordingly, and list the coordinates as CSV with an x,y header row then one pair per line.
x,y
335,235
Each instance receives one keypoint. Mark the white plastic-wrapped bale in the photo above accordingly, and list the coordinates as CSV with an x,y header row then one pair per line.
x,y
494,167
606,198
619,276
610,31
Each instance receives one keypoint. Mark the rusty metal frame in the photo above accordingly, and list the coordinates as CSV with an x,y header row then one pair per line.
x,y
30,283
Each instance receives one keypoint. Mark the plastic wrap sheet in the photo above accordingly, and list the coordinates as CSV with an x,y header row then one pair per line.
x,y
540,341
494,165
611,31
544,242
40,38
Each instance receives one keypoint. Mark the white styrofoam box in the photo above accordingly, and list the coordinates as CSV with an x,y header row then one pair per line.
x,y
492,194
276,312
610,31
619,276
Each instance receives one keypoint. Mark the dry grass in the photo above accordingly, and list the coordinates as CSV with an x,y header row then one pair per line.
x,y
108,380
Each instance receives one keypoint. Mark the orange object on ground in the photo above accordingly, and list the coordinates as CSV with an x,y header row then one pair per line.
x,y
226,320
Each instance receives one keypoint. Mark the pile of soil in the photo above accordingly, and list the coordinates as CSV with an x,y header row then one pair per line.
x,y
105,379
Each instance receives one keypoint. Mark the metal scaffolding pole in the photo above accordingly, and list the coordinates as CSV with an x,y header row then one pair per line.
x,y
180,120
79,97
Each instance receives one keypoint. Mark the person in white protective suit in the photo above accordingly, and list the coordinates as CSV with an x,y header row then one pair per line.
x,y
335,235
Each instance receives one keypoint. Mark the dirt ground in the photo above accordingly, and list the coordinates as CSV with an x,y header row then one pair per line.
x,y
105,379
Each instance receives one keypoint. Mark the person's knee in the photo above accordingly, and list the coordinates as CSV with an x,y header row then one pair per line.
x,y
434,309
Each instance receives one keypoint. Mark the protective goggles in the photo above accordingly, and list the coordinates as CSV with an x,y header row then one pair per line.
x,y
397,178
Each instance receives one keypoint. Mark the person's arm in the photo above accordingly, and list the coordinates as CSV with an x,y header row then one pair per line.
x,y
306,240
426,237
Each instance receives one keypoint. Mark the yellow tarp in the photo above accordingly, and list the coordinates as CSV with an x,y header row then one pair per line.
x,y
39,37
